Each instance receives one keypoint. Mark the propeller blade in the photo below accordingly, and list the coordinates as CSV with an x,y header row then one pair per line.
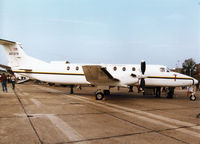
x,y
142,83
142,80
143,67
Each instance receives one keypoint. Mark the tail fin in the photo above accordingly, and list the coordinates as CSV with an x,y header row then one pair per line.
x,y
16,55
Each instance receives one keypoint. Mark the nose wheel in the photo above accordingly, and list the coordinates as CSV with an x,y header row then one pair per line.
x,y
191,91
193,97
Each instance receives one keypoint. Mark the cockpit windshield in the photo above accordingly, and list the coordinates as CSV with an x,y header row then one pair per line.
x,y
163,69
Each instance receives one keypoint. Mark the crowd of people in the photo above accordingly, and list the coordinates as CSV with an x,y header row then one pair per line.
x,y
7,79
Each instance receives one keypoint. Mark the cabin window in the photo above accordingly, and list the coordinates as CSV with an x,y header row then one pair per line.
x,y
123,68
68,68
115,68
77,68
133,68
162,69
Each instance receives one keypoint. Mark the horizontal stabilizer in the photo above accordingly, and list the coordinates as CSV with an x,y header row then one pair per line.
x,y
6,42
5,67
26,69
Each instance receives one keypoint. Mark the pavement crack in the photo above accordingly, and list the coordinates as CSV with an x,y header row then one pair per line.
x,y
27,115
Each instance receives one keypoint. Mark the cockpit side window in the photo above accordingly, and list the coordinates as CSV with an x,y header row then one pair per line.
x,y
162,69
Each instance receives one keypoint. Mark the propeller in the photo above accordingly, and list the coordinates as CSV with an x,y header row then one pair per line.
x,y
140,77
143,69
143,66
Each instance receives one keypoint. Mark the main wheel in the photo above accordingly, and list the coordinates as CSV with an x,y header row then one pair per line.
x,y
193,97
99,96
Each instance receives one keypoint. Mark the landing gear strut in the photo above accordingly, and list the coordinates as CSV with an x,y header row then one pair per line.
x,y
71,89
106,92
158,92
170,94
130,89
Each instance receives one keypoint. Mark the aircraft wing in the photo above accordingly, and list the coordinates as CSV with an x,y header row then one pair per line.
x,y
98,75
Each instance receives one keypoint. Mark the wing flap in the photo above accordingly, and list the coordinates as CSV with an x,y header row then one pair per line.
x,y
98,75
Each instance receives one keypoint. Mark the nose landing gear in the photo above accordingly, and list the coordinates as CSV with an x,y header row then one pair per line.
x,y
193,97
191,91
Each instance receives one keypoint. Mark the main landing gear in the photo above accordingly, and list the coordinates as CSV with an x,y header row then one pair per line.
x,y
100,95
170,94
158,92
71,89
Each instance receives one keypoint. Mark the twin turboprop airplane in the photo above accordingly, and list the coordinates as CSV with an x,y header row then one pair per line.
x,y
103,76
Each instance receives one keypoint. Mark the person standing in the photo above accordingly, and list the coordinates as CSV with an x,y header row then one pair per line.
x,y
13,81
4,82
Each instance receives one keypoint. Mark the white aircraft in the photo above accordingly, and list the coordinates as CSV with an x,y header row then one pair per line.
x,y
103,76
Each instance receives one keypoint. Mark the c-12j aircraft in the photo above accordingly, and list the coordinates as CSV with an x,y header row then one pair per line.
x,y
103,76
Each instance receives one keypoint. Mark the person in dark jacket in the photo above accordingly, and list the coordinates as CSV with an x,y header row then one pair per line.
x,y
4,82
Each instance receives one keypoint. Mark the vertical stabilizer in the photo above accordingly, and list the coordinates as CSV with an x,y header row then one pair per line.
x,y
13,51
16,55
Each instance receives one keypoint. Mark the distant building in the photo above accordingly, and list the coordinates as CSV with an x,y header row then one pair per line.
x,y
179,70
198,67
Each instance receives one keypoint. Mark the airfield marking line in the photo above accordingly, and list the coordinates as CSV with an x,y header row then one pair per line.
x,y
196,127
130,114
66,129
183,130
189,132
178,122
36,102
154,121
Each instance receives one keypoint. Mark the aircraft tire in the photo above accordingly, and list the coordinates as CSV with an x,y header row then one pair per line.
x,y
99,96
193,97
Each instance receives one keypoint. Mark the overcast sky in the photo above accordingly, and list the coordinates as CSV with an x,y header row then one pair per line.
x,y
104,31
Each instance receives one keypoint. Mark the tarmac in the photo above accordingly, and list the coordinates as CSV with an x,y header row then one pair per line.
x,y
42,114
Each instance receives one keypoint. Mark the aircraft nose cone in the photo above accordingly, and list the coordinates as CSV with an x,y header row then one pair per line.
x,y
196,81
